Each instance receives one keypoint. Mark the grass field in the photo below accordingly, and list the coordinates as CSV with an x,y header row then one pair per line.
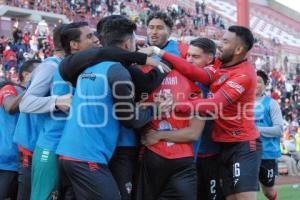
x,y
285,192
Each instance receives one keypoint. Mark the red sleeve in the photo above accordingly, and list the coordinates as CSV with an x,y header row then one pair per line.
x,y
189,70
235,87
214,104
183,49
6,91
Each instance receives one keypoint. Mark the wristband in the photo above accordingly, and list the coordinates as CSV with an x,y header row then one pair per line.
x,y
160,68
156,50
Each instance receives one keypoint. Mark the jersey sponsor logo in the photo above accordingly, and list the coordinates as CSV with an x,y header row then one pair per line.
x,y
222,79
235,132
90,76
258,121
170,81
240,89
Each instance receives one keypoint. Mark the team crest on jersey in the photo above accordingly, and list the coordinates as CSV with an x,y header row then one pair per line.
x,y
210,95
222,79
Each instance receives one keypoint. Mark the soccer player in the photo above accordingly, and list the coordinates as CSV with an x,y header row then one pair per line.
x,y
168,169
103,97
10,96
269,122
159,29
232,83
202,53
34,106
45,177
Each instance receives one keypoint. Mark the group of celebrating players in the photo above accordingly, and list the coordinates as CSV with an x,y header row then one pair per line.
x,y
101,120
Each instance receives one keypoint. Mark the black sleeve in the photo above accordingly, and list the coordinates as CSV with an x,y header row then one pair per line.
x,y
73,65
145,82
123,94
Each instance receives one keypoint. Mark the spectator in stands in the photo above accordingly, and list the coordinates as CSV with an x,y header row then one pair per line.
x,y
17,35
26,41
297,140
41,32
2,45
2,72
289,162
12,75
9,58
197,7
203,6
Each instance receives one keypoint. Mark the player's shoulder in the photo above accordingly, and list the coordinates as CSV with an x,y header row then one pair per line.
x,y
8,87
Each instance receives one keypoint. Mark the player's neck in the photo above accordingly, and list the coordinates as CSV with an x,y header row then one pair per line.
x,y
233,62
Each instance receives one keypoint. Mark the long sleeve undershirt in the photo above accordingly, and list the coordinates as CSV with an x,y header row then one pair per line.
x,y
276,116
35,99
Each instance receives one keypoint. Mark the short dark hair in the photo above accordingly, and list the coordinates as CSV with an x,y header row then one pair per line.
x,y
263,75
162,16
102,22
116,31
244,34
27,66
56,38
206,44
70,32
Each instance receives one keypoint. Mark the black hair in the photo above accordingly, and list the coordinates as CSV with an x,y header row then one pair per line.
x,y
263,75
117,30
162,16
56,38
70,32
207,45
27,66
102,22
244,34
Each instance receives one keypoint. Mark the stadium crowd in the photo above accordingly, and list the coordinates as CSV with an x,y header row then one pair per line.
x,y
72,50
21,45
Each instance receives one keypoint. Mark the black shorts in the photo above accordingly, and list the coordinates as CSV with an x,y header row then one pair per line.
x,y
209,178
239,166
81,180
122,166
267,172
8,184
166,179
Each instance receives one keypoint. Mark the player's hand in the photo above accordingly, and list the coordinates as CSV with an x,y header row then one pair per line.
x,y
151,137
164,67
161,66
63,103
164,103
148,50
